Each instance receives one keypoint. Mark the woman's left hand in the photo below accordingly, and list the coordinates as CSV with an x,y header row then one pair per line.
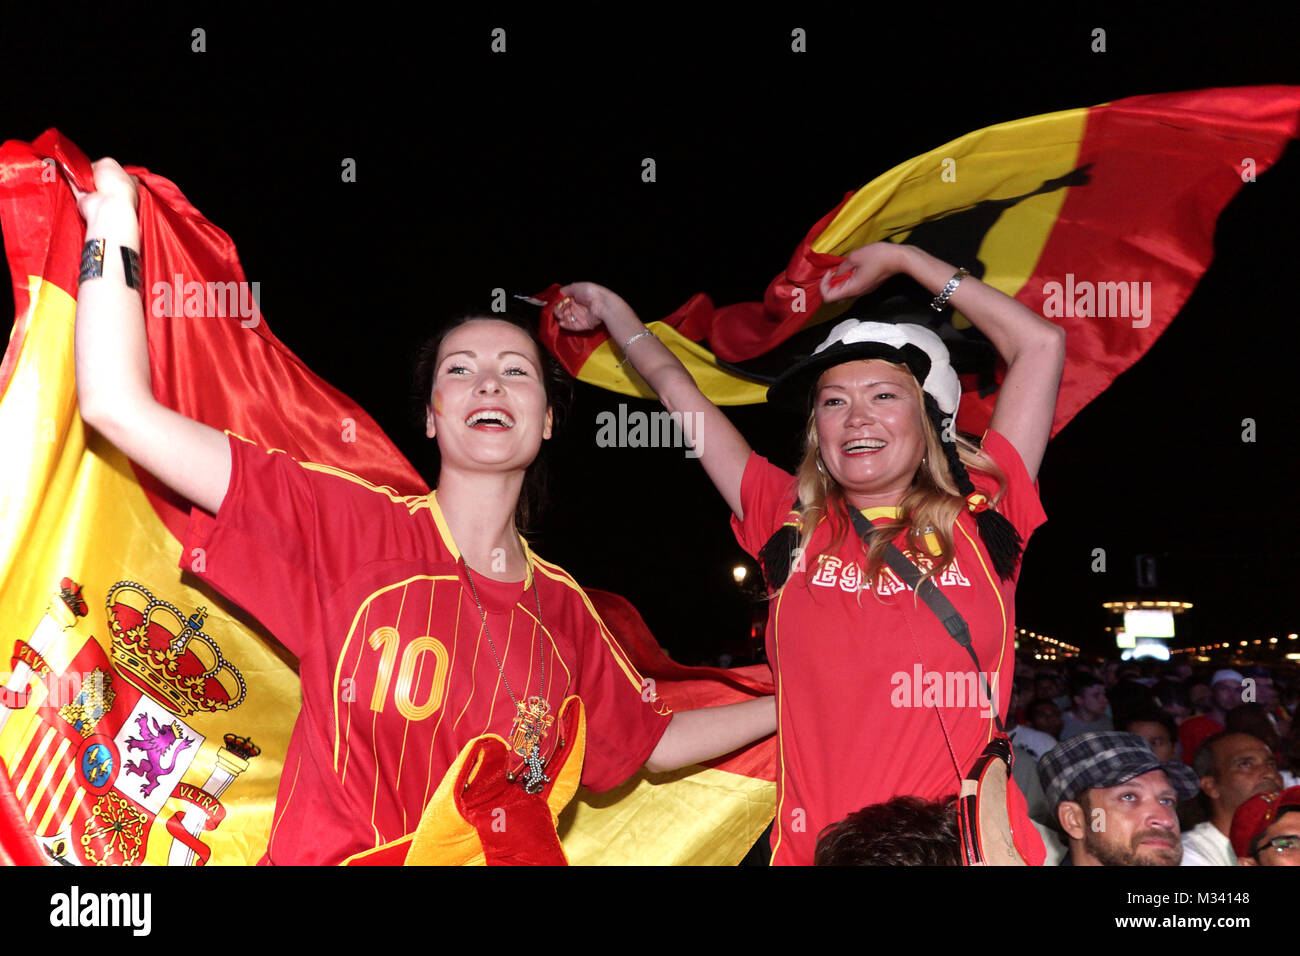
x,y
587,306
862,271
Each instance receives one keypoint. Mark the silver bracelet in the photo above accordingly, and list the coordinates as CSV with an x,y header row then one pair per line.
x,y
640,335
92,263
940,301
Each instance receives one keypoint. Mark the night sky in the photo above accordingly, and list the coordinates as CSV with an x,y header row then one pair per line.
x,y
478,170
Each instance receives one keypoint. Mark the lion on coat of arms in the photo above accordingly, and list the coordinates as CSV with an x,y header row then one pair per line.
x,y
155,746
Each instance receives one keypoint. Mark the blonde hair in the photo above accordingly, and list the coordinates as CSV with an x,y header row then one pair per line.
x,y
932,502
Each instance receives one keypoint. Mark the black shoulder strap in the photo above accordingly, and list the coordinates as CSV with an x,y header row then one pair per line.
x,y
935,600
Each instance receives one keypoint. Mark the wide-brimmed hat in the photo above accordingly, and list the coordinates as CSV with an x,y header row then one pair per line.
x,y
852,340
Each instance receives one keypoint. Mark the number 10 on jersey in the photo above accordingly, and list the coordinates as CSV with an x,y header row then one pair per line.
x,y
386,641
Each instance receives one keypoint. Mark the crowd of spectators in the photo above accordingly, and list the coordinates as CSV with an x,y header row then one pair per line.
x,y
1140,763
1232,726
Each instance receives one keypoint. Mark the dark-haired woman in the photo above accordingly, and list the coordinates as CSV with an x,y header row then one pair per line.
x,y
875,699
456,687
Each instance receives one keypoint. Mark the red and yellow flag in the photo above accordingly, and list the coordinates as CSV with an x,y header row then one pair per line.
x,y
1099,219
144,720
697,815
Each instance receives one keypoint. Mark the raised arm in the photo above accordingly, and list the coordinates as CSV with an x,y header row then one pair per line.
x,y
722,449
1032,347
112,357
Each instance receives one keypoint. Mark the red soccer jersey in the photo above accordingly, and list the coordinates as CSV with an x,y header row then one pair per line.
x,y
857,707
367,588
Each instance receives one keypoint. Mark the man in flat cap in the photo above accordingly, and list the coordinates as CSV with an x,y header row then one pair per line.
x,y
1115,800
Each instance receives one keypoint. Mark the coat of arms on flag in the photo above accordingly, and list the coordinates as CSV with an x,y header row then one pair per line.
x,y
100,745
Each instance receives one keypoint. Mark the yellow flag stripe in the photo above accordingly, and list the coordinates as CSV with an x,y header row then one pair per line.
x,y
605,368
1002,161
695,816
64,783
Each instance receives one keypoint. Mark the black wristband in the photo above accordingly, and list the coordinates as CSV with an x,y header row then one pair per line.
x,y
131,268
92,260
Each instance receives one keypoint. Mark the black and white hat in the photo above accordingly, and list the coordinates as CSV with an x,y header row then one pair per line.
x,y
925,355
853,340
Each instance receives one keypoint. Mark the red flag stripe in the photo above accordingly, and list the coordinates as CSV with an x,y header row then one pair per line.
x,y
59,775
1169,238
51,756
36,746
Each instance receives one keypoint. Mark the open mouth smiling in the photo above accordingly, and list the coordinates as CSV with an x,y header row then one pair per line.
x,y
863,446
490,419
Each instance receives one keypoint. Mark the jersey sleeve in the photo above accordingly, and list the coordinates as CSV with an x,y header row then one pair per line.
x,y
262,550
1019,503
766,494
625,718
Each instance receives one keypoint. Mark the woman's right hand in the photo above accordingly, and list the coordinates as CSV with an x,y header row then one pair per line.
x,y
114,189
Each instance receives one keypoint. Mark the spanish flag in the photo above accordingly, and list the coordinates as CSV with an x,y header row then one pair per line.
x,y
143,720
1099,219
709,814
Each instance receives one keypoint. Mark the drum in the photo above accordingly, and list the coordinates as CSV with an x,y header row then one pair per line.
x,y
983,818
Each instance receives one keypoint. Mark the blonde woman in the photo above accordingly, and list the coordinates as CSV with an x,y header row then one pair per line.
x,y
875,699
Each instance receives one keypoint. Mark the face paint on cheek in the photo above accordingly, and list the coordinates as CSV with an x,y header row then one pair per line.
x,y
437,404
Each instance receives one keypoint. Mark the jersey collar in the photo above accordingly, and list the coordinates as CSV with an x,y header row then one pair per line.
x,y
444,532
885,511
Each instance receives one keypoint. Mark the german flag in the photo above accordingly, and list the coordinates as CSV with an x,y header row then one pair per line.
x,y
1099,219
142,719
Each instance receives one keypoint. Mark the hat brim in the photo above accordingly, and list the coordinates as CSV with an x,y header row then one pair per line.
x,y
794,388
1183,778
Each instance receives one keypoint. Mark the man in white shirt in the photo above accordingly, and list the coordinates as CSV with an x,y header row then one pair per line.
x,y
1042,725
1029,742
1232,767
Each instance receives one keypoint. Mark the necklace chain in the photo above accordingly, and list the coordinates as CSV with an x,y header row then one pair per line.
x,y
536,775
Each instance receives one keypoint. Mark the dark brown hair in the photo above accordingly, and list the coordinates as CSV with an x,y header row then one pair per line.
x,y
904,831
556,382
1151,715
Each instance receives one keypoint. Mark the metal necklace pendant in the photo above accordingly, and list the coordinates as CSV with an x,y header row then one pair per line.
x,y
532,721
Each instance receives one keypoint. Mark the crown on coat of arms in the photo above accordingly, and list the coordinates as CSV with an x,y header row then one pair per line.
x,y
241,747
167,655
70,592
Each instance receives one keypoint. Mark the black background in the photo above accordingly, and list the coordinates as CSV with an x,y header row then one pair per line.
x,y
478,170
